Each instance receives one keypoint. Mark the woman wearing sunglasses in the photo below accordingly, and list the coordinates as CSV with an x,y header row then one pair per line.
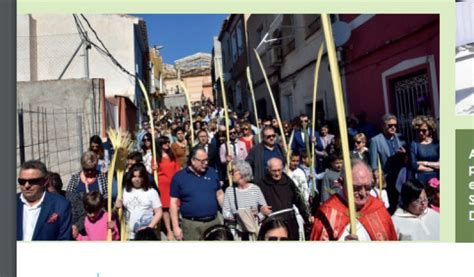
x,y
147,152
424,152
360,151
247,136
87,180
167,168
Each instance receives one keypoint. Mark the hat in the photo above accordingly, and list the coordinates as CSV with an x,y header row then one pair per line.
x,y
434,183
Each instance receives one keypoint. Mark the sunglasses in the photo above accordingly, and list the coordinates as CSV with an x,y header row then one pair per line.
x,y
245,129
270,136
89,171
145,139
276,238
392,125
358,142
232,133
358,188
34,181
424,131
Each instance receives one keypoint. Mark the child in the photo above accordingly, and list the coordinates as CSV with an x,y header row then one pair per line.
x,y
96,223
375,192
311,176
329,187
141,202
298,176
432,191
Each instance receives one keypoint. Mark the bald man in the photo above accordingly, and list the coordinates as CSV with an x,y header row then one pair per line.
x,y
281,194
373,220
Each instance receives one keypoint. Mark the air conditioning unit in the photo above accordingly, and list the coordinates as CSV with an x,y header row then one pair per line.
x,y
276,56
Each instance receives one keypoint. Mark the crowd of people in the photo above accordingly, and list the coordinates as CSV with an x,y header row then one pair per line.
x,y
254,185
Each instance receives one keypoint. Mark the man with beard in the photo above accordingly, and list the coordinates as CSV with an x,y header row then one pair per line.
x,y
281,194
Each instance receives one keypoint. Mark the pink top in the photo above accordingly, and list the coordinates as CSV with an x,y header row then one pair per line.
x,y
98,230
435,208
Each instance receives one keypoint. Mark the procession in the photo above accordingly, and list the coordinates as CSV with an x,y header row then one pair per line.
x,y
213,168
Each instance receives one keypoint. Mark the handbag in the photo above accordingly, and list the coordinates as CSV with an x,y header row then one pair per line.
x,y
245,217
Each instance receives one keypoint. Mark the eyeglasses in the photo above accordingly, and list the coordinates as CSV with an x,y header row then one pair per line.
x,y
392,125
421,201
358,187
32,182
277,238
270,136
204,161
424,131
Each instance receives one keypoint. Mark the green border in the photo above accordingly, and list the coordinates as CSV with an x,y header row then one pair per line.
x,y
449,122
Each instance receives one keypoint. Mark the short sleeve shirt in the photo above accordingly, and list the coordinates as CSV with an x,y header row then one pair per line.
x,y
197,193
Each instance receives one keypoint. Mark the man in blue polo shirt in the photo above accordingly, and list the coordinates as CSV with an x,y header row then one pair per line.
x,y
199,192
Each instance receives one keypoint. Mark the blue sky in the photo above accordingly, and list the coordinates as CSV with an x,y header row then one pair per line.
x,y
182,34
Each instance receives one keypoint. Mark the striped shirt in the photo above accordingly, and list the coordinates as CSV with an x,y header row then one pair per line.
x,y
250,198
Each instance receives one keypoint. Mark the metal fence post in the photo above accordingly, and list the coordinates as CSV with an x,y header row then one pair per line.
x,y
21,135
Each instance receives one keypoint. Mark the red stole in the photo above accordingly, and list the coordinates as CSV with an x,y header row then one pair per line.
x,y
333,217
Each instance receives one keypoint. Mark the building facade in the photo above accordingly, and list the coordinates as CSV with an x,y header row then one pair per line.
x,y
289,58
465,58
390,64
195,73
234,53
59,47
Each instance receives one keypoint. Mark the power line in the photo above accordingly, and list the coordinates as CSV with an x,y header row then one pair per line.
x,y
102,50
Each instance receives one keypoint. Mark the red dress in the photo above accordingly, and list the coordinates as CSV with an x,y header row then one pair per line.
x,y
332,218
166,171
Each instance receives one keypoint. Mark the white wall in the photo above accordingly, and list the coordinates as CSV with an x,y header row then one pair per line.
x,y
58,39
465,82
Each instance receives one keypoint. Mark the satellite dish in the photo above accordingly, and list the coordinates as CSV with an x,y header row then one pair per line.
x,y
341,32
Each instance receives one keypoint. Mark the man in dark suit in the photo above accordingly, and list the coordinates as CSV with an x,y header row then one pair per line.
x,y
41,215
211,149
303,138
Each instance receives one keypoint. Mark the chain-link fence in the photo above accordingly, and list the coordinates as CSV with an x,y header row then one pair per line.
x,y
51,57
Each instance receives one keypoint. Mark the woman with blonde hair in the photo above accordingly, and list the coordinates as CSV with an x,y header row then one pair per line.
x,y
424,151
360,151
247,136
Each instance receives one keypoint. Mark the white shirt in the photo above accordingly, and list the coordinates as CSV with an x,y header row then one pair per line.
x,y
299,177
362,233
139,205
375,193
30,217
412,227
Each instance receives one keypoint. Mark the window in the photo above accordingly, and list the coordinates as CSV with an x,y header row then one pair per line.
x,y
288,34
234,47
238,97
312,23
240,41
